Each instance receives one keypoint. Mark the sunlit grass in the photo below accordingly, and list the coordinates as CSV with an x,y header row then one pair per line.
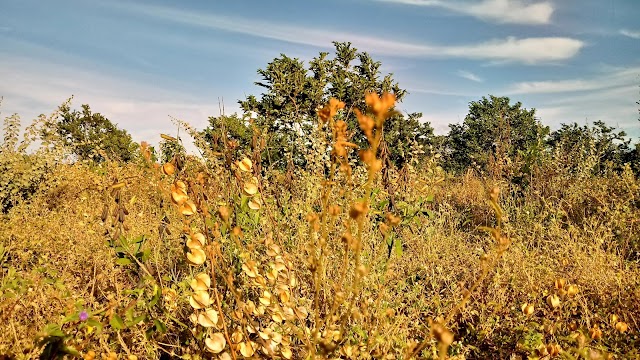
x,y
209,258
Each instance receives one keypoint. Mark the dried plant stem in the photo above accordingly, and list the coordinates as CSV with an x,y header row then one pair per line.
x,y
219,306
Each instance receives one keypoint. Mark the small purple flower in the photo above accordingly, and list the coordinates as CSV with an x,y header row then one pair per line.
x,y
83,315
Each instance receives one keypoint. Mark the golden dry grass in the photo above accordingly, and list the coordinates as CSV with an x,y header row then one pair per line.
x,y
299,267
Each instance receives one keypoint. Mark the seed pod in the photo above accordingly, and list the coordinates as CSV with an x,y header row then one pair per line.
x,y
553,301
553,349
442,334
224,213
621,326
245,165
117,186
357,209
116,234
105,213
560,283
168,169
168,137
614,318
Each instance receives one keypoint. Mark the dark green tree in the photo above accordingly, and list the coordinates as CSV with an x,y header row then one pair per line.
x,y
494,133
293,92
231,135
237,131
610,147
85,133
402,133
170,150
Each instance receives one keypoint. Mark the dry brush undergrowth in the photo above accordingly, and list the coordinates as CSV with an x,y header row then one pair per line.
x,y
209,257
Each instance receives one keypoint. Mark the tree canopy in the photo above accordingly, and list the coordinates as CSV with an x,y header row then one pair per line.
x,y
493,130
85,132
293,92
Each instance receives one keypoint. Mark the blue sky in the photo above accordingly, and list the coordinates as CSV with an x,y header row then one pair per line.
x,y
140,62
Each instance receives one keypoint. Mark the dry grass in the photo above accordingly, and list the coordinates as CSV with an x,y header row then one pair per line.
x,y
222,261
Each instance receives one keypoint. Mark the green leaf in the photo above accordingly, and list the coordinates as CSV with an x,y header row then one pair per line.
x,y
138,319
116,322
54,330
210,222
383,204
148,334
74,317
70,351
129,314
389,239
160,326
398,247
95,323
144,255
375,192
123,261
156,296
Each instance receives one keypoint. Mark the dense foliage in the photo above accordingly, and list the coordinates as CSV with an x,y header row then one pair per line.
x,y
285,113
87,134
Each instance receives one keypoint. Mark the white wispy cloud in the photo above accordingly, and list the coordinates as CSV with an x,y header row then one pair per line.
x,y
615,106
634,34
434,91
527,50
469,76
609,79
498,11
31,87
533,50
609,95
